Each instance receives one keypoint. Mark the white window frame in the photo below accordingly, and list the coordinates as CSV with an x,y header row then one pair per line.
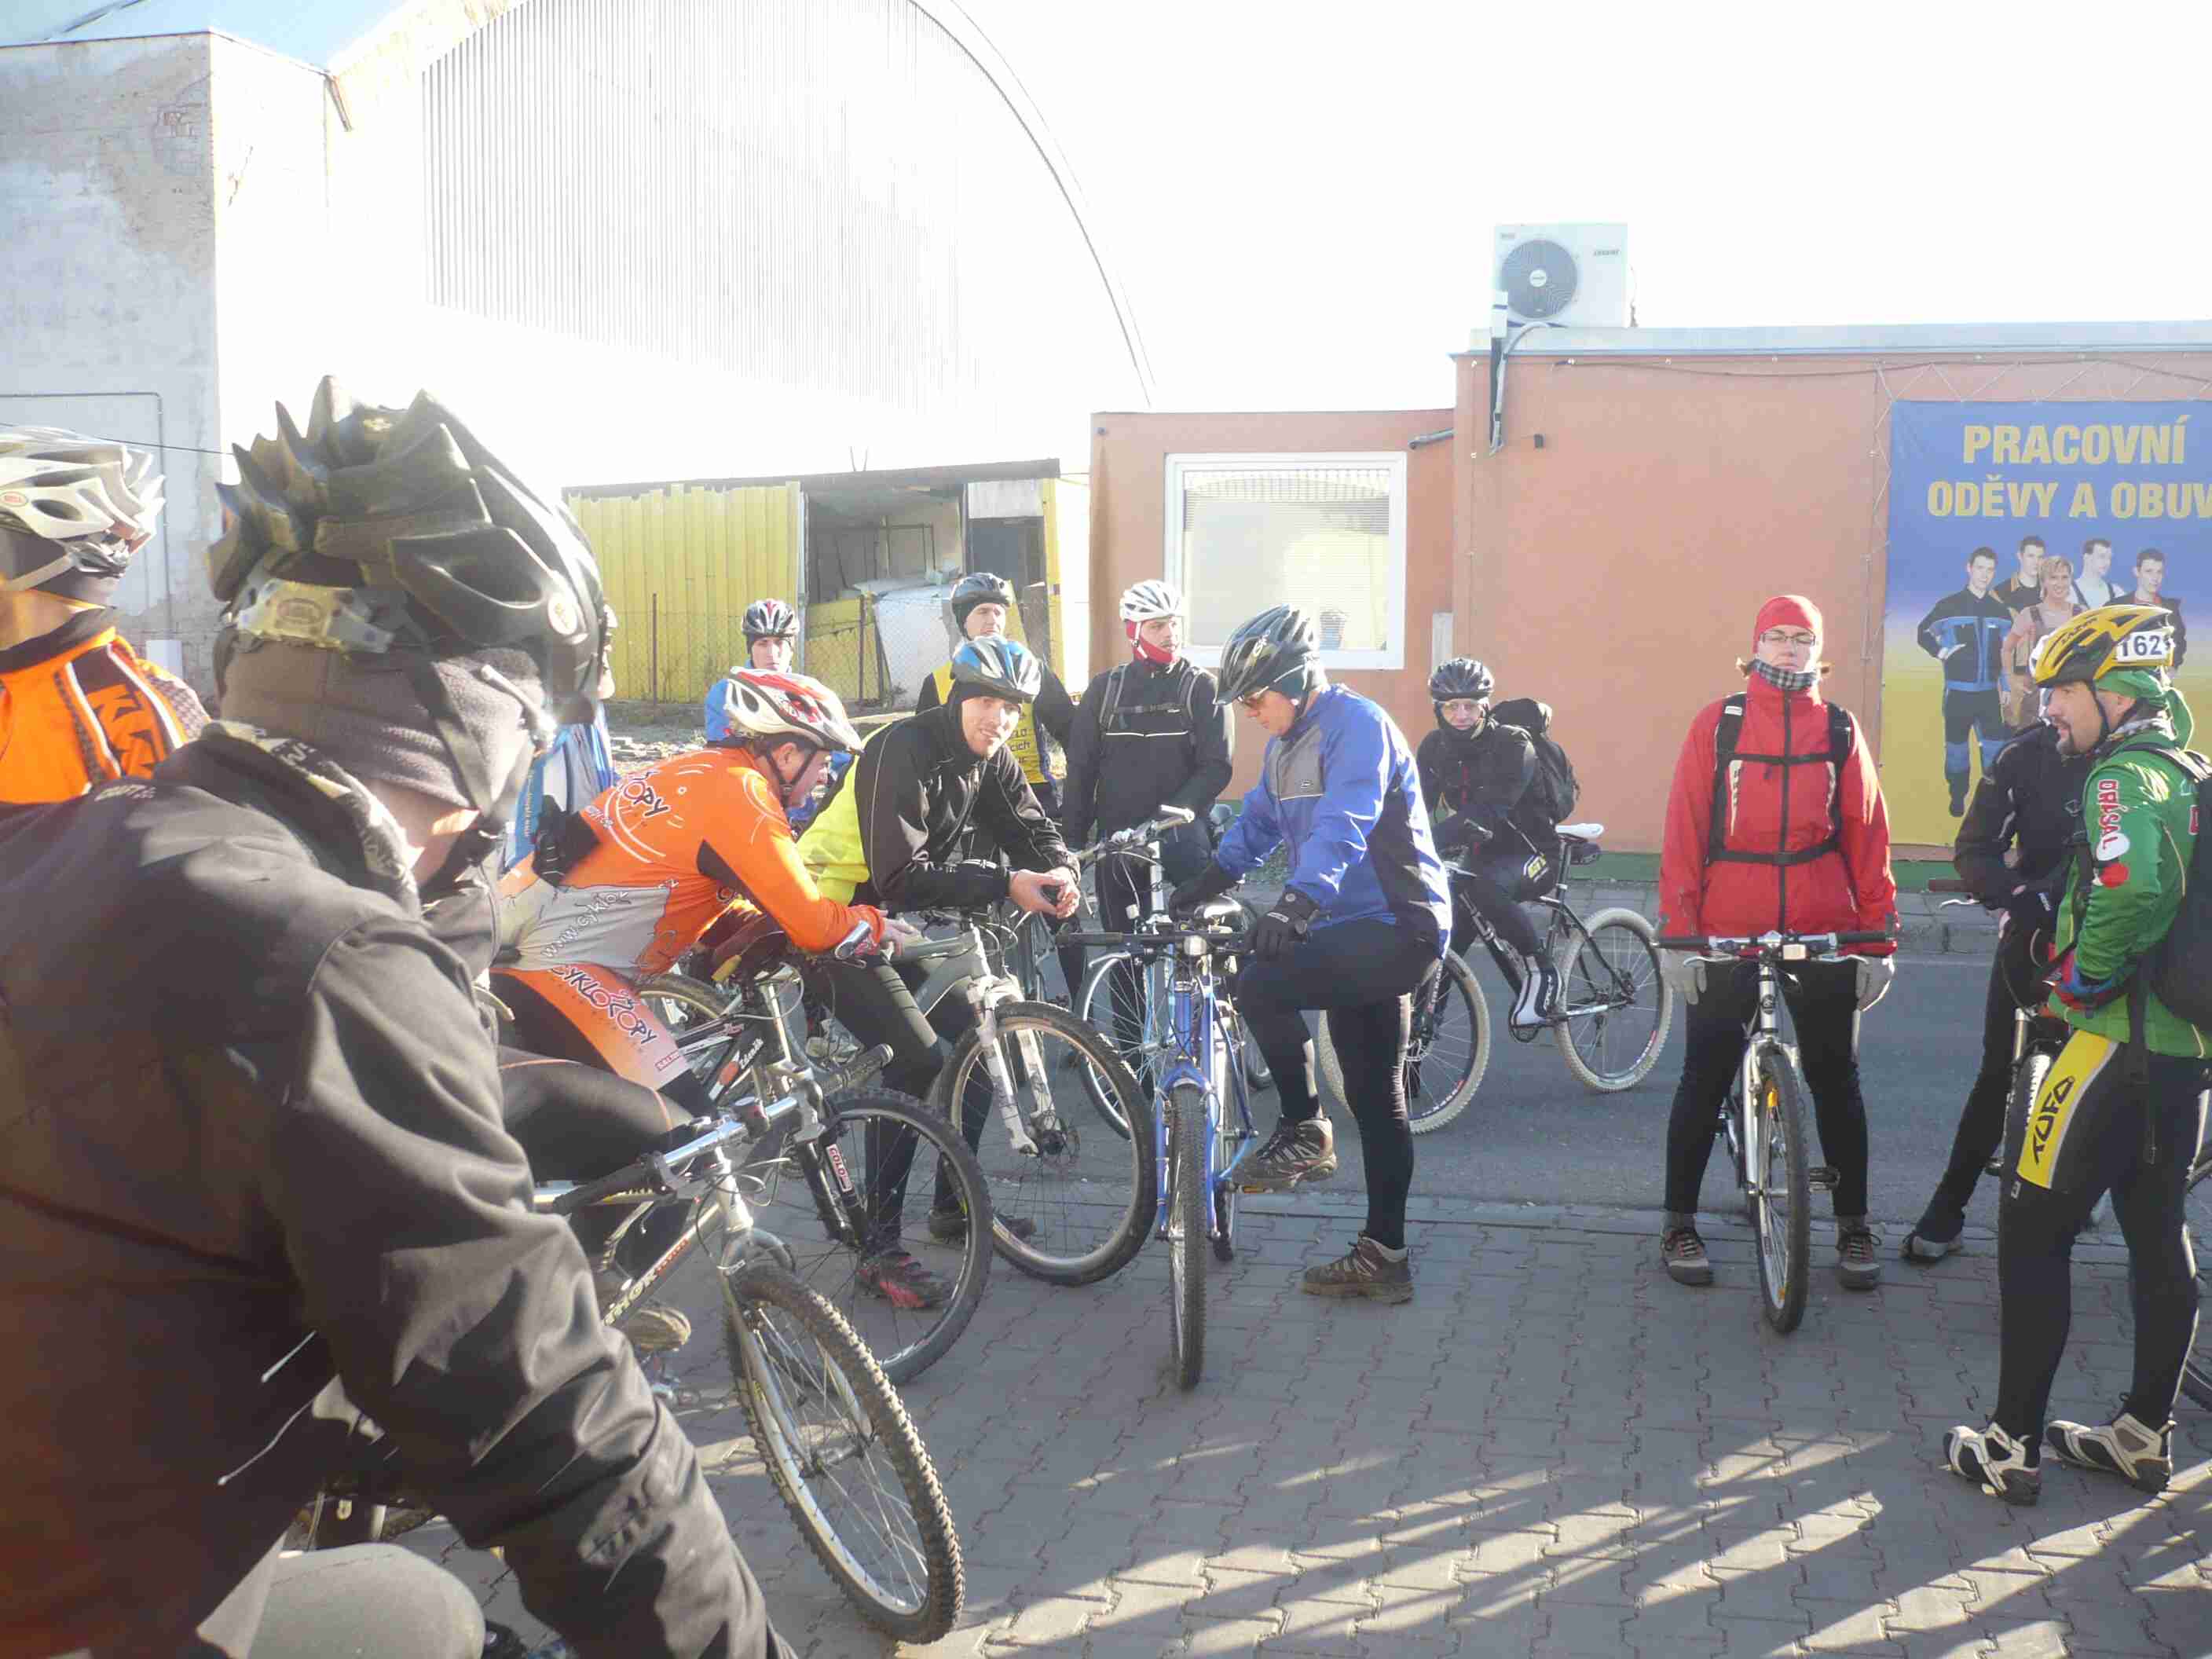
x,y
1392,460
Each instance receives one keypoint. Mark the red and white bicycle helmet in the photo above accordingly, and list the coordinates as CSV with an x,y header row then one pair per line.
x,y
758,706
769,619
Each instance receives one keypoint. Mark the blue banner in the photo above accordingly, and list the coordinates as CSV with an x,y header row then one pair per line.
x,y
2004,520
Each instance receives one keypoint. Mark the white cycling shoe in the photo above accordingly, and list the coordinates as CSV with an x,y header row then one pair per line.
x,y
1994,1462
2128,1447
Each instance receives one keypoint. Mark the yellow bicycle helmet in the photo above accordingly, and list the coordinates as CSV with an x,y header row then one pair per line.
x,y
2111,641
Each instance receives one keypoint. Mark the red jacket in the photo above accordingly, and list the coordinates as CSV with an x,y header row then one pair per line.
x,y
1843,890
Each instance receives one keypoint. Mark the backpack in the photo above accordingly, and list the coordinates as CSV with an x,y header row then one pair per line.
x,y
1726,735
1554,789
2180,965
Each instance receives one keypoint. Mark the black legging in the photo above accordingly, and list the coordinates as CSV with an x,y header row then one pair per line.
x,y
875,1002
1362,976
577,1122
1982,1122
1497,879
1823,998
2093,1143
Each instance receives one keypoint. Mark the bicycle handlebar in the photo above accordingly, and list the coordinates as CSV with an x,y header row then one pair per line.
x,y
1133,840
1751,945
1224,943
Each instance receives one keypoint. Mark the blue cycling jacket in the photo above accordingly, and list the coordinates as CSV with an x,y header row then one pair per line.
x,y
1340,786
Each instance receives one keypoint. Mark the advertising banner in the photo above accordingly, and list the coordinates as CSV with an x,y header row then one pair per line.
x,y
2005,519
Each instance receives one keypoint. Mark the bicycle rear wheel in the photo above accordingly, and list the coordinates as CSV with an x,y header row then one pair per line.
x,y
2196,1214
843,1454
1187,1213
1114,1003
1446,1056
1782,1202
1072,1197
1615,1004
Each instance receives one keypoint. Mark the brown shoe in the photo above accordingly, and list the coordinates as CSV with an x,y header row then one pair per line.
x,y
1362,1271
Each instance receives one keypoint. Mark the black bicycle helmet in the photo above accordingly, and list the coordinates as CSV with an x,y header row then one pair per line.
x,y
981,588
1462,677
1279,644
999,667
769,619
387,530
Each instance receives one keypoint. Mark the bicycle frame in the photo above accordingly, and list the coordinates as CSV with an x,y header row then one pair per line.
x,y
1201,1056
963,968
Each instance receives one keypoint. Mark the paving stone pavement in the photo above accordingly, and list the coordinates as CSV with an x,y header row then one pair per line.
x,y
1551,1451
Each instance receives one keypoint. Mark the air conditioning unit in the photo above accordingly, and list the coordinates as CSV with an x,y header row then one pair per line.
x,y
1569,276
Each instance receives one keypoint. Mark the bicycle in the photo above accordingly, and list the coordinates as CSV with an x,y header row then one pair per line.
x,y
1763,1119
1615,1007
740,1033
1198,1143
836,1440
1128,1004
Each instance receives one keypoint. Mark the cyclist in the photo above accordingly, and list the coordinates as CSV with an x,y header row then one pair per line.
x,y
1361,926
900,832
657,860
1150,732
771,630
1769,827
2012,855
282,1165
1475,774
77,705
982,601
2123,1107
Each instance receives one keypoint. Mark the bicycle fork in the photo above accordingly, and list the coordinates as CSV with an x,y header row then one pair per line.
x,y
1003,1097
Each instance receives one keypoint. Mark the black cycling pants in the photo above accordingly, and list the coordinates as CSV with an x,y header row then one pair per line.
x,y
875,1002
1982,1122
1497,880
577,1122
1362,976
2085,1137
365,1598
1823,998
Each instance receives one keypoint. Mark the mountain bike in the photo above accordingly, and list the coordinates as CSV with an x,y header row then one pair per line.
x,y
1127,999
740,1033
1615,1007
1205,1125
836,1440
1763,1119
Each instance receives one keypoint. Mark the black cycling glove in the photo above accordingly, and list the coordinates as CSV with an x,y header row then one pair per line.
x,y
1284,924
2032,907
1211,884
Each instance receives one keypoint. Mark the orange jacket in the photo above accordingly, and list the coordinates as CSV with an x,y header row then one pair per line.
x,y
679,844
78,708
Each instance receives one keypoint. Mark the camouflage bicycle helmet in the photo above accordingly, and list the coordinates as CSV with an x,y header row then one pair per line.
x,y
979,588
769,619
998,667
1281,644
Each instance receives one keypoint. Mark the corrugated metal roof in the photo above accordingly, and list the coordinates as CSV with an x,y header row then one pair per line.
x,y
314,32
1944,340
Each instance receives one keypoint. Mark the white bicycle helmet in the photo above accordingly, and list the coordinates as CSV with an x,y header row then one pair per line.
x,y
754,706
73,510
1149,599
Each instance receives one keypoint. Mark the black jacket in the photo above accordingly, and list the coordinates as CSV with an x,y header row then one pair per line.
x,y
1481,784
1973,630
250,1141
1168,745
921,796
1053,711
2031,797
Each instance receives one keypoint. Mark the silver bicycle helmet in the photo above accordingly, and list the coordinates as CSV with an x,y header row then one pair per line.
x,y
1149,599
981,588
999,667
73,511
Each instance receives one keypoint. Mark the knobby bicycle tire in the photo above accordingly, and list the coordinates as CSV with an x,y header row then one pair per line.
x,y
1781,1104
1094,1009
1460,1016
1115,1232
2196,1213
1585,974
1189,1210
848,1380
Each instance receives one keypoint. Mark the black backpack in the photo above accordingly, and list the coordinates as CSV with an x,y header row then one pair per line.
x,y
2180,966
1554,789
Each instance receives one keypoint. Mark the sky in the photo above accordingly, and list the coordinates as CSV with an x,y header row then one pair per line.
x,y
1299,197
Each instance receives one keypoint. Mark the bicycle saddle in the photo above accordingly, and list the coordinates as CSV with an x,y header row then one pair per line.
x,y
746,946
1580,831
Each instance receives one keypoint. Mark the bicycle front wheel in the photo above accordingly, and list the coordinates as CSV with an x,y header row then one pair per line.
x,y
1114,1003
1446,1053
1615,1005
1071,1196
2196,1214
1782,1195
1187,1214
841,1209
844,1455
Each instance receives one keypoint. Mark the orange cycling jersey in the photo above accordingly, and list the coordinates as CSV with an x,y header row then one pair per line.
x,y
78,708
677,847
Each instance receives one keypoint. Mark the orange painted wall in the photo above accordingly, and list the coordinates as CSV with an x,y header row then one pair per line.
x,y
1614,571
1128,505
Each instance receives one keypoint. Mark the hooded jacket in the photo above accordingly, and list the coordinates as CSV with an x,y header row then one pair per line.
x,y
268,1156
1476,787
1771,808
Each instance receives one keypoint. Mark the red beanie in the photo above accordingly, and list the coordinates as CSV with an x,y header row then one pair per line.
x,y
1788,610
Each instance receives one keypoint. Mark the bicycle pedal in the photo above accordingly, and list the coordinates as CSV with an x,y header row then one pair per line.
x,y
1824,1178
